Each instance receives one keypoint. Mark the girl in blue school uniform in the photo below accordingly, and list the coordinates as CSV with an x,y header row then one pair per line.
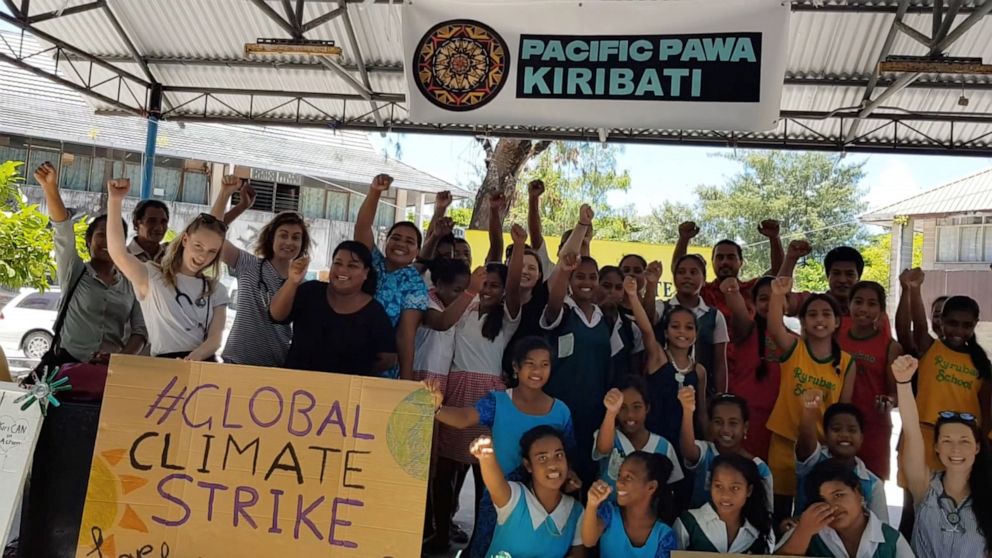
x,y
509,415
534,518
736,520
630,527
728,416
623,432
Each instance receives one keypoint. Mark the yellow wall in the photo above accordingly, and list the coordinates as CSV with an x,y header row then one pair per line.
x,y
606,252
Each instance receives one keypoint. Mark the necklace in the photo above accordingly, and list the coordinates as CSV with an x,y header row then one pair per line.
x,y
680,373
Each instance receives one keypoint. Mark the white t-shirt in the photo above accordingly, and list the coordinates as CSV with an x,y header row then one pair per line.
x,y
178,318
473,351
434,349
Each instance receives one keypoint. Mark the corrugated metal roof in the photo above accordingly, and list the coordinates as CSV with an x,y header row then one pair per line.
x,y
969,194
825,44
32,106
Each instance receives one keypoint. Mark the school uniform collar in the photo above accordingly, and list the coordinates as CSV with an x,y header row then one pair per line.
x,y
597,313
716,530
860,469
871,538
538,516
628,447
700,308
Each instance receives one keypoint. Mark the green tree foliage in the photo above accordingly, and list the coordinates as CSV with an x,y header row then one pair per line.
x,y
811,276
815,196
25,239
573,174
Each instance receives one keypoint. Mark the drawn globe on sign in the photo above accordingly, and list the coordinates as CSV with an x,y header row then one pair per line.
x,y
461,65
408,433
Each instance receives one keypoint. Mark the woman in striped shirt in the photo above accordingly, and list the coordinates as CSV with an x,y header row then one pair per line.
x,y
953,507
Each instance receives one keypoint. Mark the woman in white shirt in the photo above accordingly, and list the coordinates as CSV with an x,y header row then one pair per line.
x,y
184,309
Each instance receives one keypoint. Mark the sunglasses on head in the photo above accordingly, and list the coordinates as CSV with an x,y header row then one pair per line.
x,y
209,219
954,415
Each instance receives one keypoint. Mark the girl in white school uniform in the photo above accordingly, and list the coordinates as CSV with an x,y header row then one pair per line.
x,y
631,527
736,519
534,518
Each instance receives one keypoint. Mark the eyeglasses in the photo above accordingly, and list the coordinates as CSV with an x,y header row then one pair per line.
x,y
952,415
208,219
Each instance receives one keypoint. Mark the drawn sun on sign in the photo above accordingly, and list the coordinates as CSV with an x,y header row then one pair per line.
x,y
461,65
104,509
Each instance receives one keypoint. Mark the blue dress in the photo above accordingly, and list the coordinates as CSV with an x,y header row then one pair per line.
x,y
508,424
616,544
609,465
399,290
525,530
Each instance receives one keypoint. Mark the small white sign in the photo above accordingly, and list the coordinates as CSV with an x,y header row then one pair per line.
x,y
18,435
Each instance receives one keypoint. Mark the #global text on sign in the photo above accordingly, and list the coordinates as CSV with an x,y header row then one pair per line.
x,y
724,67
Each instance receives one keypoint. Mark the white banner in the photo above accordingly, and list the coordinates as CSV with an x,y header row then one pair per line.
x,y
656,64
19,430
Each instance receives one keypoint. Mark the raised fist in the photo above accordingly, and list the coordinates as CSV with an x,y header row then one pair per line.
x,y
613,401
688,230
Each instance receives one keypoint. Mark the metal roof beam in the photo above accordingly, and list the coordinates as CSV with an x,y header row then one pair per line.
x,y
855,7
953,7
360,59
137,111
862,81
936,49
68,11
128,43
320,20
13,9
275,17
72,49
246,63
382,97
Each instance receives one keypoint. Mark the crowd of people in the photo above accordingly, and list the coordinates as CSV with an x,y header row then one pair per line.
x,y
594,417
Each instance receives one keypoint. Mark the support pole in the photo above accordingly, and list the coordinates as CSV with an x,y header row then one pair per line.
x,y
151,138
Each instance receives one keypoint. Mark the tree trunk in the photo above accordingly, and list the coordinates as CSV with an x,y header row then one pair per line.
x,y
503,164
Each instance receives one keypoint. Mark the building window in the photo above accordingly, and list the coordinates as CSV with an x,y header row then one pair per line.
x,y
194,189
75,171
964,239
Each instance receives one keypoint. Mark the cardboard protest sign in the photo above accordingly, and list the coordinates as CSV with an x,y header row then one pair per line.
x,y
597,63
214,460
19,430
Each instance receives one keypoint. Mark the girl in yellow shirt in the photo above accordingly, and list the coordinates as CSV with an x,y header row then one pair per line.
x,y
813,361
955,372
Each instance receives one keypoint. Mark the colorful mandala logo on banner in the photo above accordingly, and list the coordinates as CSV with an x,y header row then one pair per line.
x,y
461,65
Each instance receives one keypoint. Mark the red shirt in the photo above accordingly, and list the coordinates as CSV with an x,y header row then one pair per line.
x,y
713,297
760,394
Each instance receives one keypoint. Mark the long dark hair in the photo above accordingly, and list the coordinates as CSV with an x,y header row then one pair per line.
x,y
492,324
980,478
979,359
755,509
835,307
761,325
659,468
363,254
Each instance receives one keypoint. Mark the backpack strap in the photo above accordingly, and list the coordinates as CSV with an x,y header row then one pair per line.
x,y
64,309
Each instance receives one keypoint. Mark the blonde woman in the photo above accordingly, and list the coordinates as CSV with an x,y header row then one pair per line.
x,y
184,308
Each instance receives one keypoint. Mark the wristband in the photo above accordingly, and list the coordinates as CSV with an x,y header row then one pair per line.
x,y
585,224
904,383
471,294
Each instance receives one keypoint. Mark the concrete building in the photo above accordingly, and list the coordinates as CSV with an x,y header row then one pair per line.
x,y
956,222
321,173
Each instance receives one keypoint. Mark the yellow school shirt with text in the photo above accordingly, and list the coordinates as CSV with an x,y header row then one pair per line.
x,y
948,381
801,371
